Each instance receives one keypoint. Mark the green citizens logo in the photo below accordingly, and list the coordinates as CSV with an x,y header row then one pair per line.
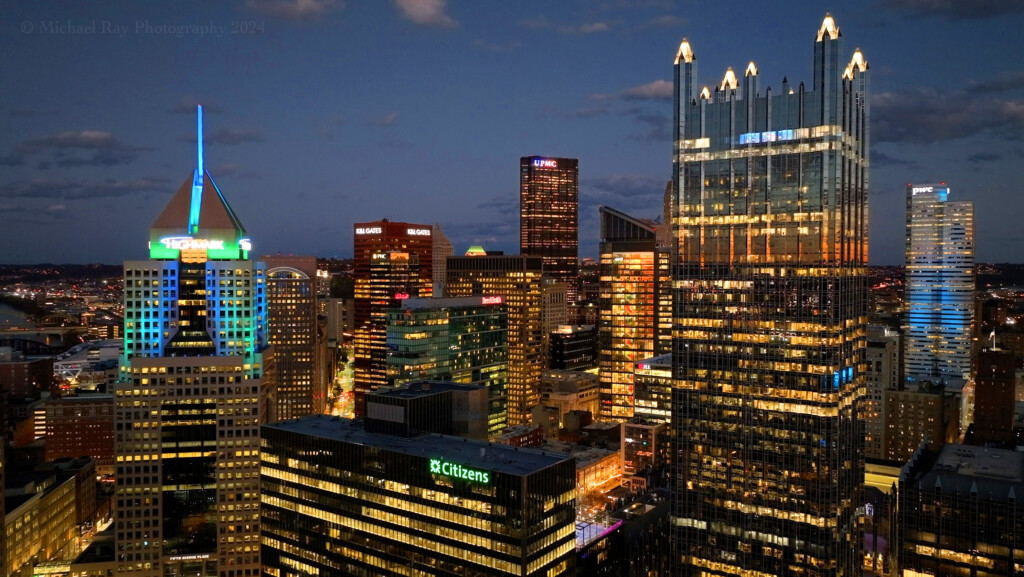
x,y
441,467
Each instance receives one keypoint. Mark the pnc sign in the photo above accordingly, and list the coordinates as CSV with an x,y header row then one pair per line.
x,y
545,163
442,467
918,189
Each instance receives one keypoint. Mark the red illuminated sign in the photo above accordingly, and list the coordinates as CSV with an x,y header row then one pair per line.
x,y
491,300
401,296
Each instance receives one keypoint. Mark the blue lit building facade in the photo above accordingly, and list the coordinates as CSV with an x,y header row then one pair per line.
x,y
192,394
771,230
939,285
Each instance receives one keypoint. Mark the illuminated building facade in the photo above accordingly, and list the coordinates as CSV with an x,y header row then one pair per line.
x,y
771,312
518,280
635,317
573,348
188,403
292,330
81,425
463,340
939,284
549,216
393,261
339,500
959,512
441,250
883,374
652,380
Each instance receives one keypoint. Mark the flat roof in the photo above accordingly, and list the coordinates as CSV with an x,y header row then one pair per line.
x,y
420,389
504,459
991,473
452,302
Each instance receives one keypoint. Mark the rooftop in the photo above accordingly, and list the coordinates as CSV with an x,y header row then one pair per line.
x,y
420,389
965,469
452,302
504,459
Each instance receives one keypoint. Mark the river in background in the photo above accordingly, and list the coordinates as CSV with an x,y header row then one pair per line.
x,y
12,318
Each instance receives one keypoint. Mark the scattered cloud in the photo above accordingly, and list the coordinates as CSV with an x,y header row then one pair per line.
x,y
509,47
24,113
657,127
388,119
70,148
881,159
504,203
983,157
295,10
542,23
1005,83
657,90
625,186
187,105
74,189
923,115
426,13
954,9
228,136
667,21
590,112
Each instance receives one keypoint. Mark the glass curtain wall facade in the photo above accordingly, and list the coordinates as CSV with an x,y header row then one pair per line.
x,y
635,293
461,340
939,285
517,279
771,223
549,216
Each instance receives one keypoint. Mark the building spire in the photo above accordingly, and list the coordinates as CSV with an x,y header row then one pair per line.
x,y
197,180
828,26
729,81
685,53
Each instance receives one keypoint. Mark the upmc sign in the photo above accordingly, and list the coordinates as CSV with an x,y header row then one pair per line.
x,y
544,163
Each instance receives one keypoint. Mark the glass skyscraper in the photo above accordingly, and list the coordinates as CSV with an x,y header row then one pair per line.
x,y
771,227
939,284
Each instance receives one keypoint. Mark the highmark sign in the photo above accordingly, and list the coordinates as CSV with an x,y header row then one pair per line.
x,y
189,243
170,246
442,467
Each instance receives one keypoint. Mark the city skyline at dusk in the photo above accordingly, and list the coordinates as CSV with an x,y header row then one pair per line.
x,y
324,113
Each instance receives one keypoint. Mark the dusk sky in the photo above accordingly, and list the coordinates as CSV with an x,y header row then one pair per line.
x,y
321,113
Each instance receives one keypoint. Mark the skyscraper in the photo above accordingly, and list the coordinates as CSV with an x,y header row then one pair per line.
x,y
189,401
393,261
459,339
442,249
292,331
518,280
771,313
939,284
635,306
549,216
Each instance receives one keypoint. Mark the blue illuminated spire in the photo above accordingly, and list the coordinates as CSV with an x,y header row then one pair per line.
x,y
197,180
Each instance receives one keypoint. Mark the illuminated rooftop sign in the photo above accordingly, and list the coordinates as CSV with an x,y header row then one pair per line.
x,y
189,243
442,467
918,189
369,230
491,300
418,231
545,163
401,296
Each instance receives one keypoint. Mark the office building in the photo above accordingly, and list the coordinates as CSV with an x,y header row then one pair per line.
x,y
81,426
959,512
994,397
393,261
884,364
573,348
939,291
442,249
554,312
340,500
549,216
517,279
423,407
652,381
292,330
190,398
771,314
569,391
458,339
927,415
635,306
23,378
644,446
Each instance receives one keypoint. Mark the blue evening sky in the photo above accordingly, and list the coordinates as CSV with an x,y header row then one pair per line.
x,y
322,113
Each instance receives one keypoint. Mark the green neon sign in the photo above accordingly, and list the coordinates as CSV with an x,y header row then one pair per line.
x,y
442,467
